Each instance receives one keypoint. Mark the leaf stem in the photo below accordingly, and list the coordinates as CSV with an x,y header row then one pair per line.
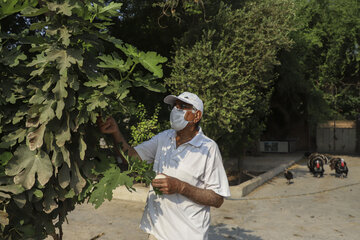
x,y
132,69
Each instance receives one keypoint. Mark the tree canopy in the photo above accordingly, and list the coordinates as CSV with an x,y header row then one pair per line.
x,y
331,32
318,77
231,68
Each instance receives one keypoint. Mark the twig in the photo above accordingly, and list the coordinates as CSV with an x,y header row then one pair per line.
x,y
97,236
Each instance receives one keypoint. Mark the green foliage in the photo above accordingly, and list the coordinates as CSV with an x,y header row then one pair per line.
x,y
138,171
112,179
328,36
9,7
226,69
144,172
177,9
4,159
146,127
26,164
318,76
61,70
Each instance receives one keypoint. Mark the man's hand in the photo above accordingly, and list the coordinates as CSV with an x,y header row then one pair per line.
x,y
109,126
169,185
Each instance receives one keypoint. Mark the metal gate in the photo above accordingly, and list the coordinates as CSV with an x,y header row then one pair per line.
x,y
336,136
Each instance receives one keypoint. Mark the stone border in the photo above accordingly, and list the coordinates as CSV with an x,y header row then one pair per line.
x,y
247,187
237,191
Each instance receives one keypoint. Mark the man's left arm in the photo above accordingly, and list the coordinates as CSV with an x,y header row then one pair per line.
x,y
171,185
215,179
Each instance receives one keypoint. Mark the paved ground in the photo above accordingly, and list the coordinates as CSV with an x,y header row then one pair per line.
x,y
310,208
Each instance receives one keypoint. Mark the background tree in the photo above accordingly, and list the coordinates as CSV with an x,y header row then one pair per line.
x,y
337,33
330,30
318,76
231,69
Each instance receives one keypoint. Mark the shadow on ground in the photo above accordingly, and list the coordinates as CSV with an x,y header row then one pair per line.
x,y
226,232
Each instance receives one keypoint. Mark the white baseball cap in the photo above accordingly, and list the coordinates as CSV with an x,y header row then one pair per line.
x,y
187,97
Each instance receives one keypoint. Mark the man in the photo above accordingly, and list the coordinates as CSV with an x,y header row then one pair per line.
x,y
195,178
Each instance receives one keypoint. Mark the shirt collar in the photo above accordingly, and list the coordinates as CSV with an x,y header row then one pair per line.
x,y
195,141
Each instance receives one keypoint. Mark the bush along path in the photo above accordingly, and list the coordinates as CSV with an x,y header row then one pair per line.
x,y
61,70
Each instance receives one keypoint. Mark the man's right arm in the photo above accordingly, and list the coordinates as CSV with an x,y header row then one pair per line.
x,y
110,127
119,139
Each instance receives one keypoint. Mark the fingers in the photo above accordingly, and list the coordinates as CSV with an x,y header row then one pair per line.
x,y
100,121
105,127
163,185
109,120
165,191
159,183
159,180
167,185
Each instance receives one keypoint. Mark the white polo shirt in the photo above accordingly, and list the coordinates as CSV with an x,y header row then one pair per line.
x,y
197,162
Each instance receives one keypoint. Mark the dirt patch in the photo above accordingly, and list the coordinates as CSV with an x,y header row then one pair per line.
x,y
236,177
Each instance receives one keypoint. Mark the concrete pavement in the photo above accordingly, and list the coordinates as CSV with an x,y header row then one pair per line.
x,y
310,208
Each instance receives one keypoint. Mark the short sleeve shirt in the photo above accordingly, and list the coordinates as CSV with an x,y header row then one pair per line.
x,y
197,162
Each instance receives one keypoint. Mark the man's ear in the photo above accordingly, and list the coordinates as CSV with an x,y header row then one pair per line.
x,y
198,115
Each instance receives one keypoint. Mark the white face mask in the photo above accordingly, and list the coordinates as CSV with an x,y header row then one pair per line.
x,y
177,119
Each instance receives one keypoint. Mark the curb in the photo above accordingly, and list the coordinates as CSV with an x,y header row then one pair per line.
x,y
247,187
140,195
237,191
